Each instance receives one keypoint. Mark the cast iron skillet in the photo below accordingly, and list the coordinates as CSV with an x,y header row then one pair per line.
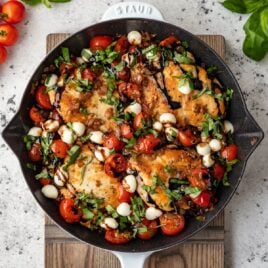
x,y
247,133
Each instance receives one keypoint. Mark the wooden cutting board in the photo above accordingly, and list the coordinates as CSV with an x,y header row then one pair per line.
x,y
204,250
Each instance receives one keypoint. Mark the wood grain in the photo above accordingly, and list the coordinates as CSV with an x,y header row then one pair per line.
x,y
204,250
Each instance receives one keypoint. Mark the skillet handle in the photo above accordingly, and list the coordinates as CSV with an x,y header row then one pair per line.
x,y
132,10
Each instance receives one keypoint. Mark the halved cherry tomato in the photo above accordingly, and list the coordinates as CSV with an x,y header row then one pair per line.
x,y
230,152
124,196
59,148
146,144
35,152
8,34
130,90
69,211
151,229
3,54
100,42
168,41
124,74
197,179
13,12
133,49
114,164
138,120
121,44
172,224
186,137
126,131
42,98
218,171
45,181
112,142
117,237
36,115
88,74
203,199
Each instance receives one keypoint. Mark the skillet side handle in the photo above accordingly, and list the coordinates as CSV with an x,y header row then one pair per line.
x,y
132,260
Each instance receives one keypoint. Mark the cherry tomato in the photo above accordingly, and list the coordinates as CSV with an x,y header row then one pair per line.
x,y
35,153
130,90
124,74
126,131
88,74
121,44
45,181
151,229
230,152
42,98
100,42
116,237
146,144
69,211
36,115
124,196
172,224
133,49
8,34
218,171
114,164
186,137
59,148
138,120
13,12
112,142
197,179
3,54
168,41
203,199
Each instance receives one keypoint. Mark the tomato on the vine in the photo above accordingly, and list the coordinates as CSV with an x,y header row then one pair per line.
x,y
8,34
12,12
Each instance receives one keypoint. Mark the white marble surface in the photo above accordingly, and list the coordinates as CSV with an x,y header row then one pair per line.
x,y
21,232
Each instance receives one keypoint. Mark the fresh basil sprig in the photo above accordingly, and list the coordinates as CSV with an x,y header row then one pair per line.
x,y
47,3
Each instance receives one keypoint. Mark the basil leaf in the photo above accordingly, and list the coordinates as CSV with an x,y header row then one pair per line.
x,y
183,58
243,6
87,214
65,53
73,153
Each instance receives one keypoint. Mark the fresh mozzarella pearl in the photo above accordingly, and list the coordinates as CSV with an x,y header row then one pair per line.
x,y
208,161
167,118
123,209
111,222
215,145
67,135
157,126
78,128
96,137
130,183
152,213
50,191
134,38
185,89
35,131
51,125
134,108
60,177
171,133
228,127
99,156
203,148
79,60
51,81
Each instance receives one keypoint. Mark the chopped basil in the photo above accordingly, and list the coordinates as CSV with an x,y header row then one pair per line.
x,y
212,69
185,44
86,138
212,126
43,174
73,153
29,140
86,54
45,146
168,169
183,58
83,110
83,172
130,143
31,166
178,181
138,210
87,214
112,211
85,200
191,190
229,167
120,66
66,54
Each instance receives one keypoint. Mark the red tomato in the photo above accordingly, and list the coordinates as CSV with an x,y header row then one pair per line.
x,y
42,98
35,153
219,171
151,229
169,41
197,179
146,144
186,137
116,237
59,148
69,211
126,131
124,196
36,115
3,54
88,74
203,199
230,152
112,142
130,90
45,181
8,34
124,74
138,120
100,42
121,44
13,12
172,224
114,164
133,49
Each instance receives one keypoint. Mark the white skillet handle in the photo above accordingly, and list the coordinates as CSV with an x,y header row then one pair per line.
x,y
132,10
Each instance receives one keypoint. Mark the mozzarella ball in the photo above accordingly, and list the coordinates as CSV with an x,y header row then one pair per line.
x,y
51,80
228,127
208,161
123,209
78,128
203,148
158,126
130,183
35,131
98,154
97,137
185,89
215,145
67,135
79,60
166,118
50,191
171,133
51,125
152,213
134,38
111,223
60,177
134,108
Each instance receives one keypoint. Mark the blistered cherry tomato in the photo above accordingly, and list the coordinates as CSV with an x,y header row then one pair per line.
x,y
42,98
8,34
168,41
35,152
151,229
112,142
186,137
146,144
124,74
3,54
218,171
197,178
100,42
114,164
230,152
126,131
88,74
36,115
59,148
45,181
13,12
124,196
130,90
172,224
69,211
121,44
138,120
117,237
203,199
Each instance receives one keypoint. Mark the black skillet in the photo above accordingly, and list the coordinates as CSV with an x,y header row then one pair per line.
x,y
247,132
